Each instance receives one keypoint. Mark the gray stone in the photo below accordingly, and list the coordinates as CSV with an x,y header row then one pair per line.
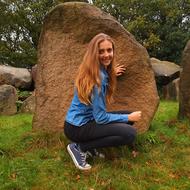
x,y
8,98
17,77
171,90
165,71
28,105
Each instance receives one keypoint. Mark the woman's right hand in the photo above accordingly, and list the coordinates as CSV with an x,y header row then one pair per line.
x,y
135,116
119,69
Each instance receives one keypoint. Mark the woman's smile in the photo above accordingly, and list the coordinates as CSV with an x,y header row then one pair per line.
x,y
105,52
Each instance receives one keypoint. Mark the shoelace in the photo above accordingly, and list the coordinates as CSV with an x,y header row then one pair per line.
x,y
83,158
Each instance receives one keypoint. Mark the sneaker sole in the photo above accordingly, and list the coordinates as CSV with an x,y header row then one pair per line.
x,y
75,161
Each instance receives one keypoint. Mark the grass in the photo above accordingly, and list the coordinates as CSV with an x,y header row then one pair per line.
x,y
37,161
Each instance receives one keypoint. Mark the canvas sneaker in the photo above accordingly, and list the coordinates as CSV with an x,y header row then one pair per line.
x,y
78,157
94,152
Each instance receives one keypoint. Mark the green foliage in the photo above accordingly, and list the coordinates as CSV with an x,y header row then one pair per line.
x,y
36,160
18,105
23,94
162,26
20,26
20,29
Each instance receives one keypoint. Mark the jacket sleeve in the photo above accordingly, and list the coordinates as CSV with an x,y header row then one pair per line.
x,y
99,108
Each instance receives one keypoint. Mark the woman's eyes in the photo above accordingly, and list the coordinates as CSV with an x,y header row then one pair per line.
x,y
108,50
101,51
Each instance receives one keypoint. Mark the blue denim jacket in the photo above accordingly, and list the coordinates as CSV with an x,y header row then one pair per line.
x,y
79,113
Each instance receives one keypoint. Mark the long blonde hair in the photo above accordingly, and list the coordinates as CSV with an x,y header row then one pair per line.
x,y
89,71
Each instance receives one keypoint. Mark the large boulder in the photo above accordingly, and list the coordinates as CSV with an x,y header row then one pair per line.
x,y
67,30
165,71
17,77
184,95
8,98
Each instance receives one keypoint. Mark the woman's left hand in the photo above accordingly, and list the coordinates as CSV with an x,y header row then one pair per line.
x,y
119,69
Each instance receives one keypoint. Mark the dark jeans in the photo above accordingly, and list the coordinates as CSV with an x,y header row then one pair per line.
x,y
93,135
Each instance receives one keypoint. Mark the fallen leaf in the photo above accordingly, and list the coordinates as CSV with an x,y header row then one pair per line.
x,y
13,176
77,177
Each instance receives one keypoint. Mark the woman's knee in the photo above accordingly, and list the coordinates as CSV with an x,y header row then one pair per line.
x,y
132,133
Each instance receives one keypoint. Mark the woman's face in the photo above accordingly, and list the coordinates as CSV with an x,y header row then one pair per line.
x,y
105,53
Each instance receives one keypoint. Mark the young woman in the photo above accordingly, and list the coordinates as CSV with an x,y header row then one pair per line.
x,y
87,123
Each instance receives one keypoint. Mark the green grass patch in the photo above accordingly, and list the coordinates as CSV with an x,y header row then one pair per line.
x,y
39,161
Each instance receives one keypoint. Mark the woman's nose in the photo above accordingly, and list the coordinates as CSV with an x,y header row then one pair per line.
x,y
106,54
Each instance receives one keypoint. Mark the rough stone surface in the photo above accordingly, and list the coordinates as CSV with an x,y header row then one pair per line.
x,y
165,71
18,77
28,106
171,90
8,98
66,32
184,95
